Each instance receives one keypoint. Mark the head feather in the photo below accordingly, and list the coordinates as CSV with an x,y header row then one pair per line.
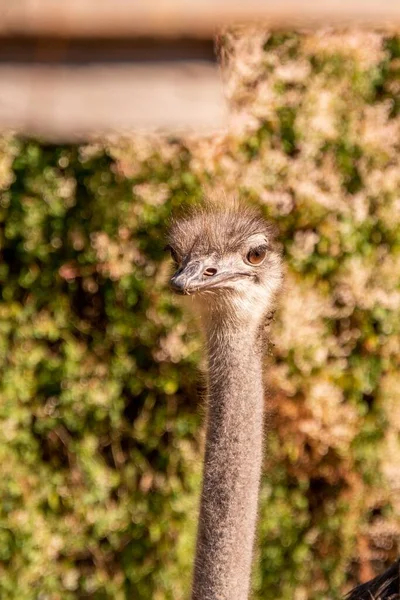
x,y
218,224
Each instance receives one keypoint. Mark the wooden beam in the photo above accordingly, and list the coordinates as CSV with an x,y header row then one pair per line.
x,y
68,90
55,50
109,18
66,103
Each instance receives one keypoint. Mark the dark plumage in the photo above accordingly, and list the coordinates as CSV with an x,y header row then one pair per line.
x,y
383,587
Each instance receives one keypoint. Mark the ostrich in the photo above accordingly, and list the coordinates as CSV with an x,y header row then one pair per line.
x,y
226,258
383,587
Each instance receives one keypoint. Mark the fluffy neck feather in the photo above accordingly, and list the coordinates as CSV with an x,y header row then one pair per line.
x,y
232,463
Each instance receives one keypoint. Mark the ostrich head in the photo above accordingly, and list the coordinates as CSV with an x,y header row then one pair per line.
x,y
226,259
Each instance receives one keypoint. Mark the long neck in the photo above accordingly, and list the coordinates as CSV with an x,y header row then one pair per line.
x,y
232,467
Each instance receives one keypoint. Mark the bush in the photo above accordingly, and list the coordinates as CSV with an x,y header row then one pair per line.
x,y
100,444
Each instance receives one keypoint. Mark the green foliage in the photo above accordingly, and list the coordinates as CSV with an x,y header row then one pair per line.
x,y
100,457
98,423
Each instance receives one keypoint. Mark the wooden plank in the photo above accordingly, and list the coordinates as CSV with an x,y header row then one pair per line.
x,y
72,102
105,18
53,50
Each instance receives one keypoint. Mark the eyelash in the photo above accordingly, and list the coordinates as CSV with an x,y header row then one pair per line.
x,y
258,250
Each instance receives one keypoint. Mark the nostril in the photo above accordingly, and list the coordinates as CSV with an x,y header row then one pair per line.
x,y
209,272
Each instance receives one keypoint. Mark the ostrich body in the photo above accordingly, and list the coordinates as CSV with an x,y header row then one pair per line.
x,y
226,259
383,587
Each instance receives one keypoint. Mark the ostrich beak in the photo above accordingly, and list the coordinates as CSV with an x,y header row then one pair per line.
x,y
187,278
198,276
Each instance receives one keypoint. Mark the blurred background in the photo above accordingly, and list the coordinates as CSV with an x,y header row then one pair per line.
x,y
100,392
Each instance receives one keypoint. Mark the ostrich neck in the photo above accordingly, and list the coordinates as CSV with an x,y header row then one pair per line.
x,y
232,465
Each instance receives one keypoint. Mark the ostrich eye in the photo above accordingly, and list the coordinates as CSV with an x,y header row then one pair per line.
x,y
173,254
256,255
